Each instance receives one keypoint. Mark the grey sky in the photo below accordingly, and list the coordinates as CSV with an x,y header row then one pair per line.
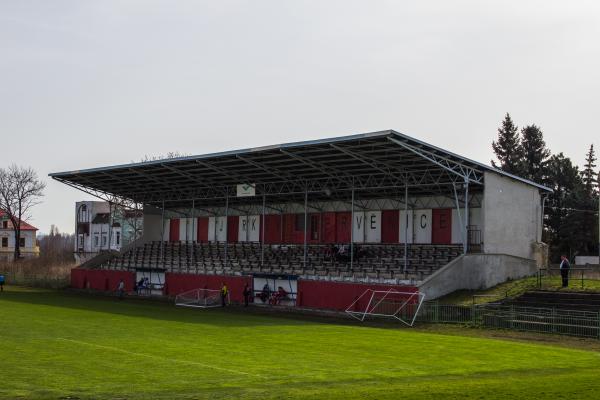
x,y
85,84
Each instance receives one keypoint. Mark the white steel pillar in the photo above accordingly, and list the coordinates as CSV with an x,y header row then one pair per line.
x,y
262,230
305,224
352,227
466,244
406,228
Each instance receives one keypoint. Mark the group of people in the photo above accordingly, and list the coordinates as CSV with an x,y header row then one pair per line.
x,y
266,294
343,252
142,285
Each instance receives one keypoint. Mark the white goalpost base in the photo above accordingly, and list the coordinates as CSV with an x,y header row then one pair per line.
x,y
403,306
200,298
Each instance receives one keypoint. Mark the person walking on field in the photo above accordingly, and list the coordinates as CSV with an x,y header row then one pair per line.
x,y
224,292
1,283
564,270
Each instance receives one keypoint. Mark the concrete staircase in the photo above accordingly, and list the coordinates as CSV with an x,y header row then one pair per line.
x,y
565,300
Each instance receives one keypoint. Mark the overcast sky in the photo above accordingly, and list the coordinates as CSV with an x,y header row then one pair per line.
x,y
95,83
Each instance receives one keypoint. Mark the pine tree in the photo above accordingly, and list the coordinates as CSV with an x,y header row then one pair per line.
x,y
535,154
589,175
508,147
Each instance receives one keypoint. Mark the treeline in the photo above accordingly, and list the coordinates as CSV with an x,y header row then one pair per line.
x,y
571,211
57,247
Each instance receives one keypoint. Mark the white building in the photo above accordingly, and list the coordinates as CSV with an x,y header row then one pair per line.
x,y
29,246
99,227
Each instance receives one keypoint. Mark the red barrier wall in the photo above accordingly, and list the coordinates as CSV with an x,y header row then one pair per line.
x,y
338,295
202,234
179,283
174,230
390,226
100,279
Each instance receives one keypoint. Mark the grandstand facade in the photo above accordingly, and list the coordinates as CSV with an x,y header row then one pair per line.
x,y
326,219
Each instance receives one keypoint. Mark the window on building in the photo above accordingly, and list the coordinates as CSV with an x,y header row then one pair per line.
x,y
118,238
104,240
21,242
4,242
4,224
96,240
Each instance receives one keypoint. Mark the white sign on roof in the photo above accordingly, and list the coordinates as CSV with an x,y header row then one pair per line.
x,y
246,190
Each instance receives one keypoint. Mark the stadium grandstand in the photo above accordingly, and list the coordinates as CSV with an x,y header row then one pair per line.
x,y
324,219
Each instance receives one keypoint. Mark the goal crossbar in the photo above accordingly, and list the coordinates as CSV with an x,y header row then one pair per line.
x,y
400,305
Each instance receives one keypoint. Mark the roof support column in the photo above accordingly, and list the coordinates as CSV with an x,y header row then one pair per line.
x,y
466,245
305,225
226,226
162,234
352,227
406,229
262,231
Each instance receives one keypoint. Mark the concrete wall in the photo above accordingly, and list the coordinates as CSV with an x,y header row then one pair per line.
x,y
476,271
512,216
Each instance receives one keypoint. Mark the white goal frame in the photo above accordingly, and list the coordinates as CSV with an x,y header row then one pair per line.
x,y
408,298
200,298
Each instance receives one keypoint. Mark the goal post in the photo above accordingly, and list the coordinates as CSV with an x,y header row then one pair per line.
x,y
402,306
200,298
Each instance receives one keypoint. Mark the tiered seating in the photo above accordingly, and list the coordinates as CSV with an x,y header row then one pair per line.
x,y
372,262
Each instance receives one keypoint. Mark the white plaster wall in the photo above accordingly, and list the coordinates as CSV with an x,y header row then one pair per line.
x,y
406,219
373,226
358,227
422,226
249,228
512,218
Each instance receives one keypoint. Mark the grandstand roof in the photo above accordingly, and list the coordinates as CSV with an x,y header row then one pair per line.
x,y
371,163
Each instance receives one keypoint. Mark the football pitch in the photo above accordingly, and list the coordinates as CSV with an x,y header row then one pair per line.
x,y
58,345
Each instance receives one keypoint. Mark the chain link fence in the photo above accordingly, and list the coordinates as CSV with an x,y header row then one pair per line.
x,y
532,319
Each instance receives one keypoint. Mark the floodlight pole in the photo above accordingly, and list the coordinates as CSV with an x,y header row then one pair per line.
x,y
305,224
352,227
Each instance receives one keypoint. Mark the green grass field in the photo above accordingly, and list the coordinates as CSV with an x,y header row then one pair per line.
x,y
57,345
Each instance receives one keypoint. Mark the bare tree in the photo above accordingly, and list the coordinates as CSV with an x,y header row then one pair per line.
x,y
20,190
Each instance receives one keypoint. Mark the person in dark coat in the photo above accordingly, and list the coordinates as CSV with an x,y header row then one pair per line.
x,y
247,293
564,270
224,293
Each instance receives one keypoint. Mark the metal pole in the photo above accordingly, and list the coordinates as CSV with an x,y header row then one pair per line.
x,y
194,221
162,233
110,219
262,229
352,228
466,245
405,228
226,225
305,224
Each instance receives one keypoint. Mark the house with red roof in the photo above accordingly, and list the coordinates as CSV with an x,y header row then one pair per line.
x,y
28,243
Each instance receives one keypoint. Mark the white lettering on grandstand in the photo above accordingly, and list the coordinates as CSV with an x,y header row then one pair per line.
x,y
249,228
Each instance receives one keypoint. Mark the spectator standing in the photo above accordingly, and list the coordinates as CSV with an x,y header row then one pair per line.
x,y
224,292
1,283
121,289
247,292
564,270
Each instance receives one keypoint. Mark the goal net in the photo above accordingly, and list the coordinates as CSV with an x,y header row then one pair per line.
x,y
403,306
200,298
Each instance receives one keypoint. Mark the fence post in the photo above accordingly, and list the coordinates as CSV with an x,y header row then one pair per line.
x,y
436,312
553,318
598,324
512,317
